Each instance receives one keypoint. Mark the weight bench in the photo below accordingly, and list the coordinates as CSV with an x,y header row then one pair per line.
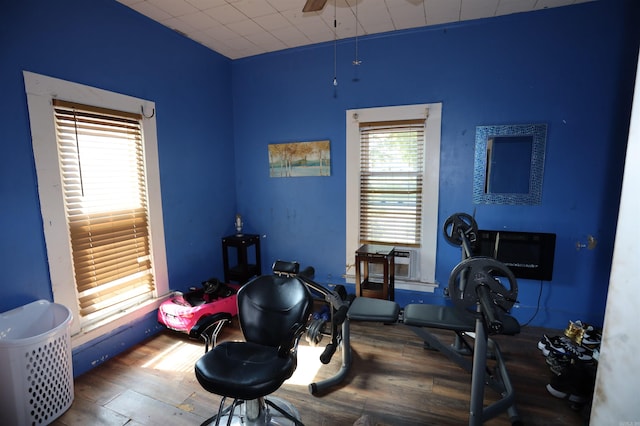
x,y
420,317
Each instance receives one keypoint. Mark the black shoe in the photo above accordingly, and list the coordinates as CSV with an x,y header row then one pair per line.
x,y
563,345
575,383
557,363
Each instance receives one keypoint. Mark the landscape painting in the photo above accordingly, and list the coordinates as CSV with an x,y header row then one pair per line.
x,y
297,159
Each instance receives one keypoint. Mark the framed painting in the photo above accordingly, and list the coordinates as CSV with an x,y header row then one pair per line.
x,y
298,159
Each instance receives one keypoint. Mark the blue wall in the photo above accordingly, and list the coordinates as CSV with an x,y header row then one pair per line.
x,y
106,45
571,68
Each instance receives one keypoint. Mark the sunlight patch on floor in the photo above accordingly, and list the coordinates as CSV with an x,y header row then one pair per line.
x,y
182,356
179,357
308,365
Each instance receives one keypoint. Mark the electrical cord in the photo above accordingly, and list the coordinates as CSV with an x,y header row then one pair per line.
x,y
537,307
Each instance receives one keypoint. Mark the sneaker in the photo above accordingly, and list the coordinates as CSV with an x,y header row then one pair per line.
x,y
544,345
558,364
575,331
562,345
576,384
541,344
592,337
566,395
584,334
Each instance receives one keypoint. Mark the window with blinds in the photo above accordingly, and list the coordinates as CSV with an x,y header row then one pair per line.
x,y
391,178
104,186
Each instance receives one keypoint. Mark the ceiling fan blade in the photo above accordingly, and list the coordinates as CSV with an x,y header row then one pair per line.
x,y
314,5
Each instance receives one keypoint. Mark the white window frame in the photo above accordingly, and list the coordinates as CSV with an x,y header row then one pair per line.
x,y
40,91
432,114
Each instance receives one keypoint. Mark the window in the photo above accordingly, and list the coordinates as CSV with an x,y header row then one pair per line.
x,y
391,169
393,160
98,181
105,199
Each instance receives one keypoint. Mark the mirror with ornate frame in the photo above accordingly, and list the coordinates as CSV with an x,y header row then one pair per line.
x,y
509,164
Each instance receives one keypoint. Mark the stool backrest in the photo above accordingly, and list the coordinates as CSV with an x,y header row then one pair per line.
x,y
269,306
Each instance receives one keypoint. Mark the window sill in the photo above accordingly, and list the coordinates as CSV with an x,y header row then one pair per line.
x,y
106,326
419,286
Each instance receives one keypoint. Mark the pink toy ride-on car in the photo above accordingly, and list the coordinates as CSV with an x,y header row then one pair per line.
x,y
201,312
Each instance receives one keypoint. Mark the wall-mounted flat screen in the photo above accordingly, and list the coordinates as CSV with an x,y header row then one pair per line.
x,y
529,255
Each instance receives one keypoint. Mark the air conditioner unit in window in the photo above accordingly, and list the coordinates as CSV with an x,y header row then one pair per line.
x,y
405,265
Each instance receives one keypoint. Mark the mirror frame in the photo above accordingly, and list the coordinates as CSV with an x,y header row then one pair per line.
x,y
538,132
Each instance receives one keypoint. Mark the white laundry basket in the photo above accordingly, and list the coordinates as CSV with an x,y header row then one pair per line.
x,y
36,371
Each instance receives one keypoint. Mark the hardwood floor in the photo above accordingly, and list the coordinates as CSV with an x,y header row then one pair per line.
x,y
393,381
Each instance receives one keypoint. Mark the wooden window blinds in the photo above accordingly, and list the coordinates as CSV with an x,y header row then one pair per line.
x,y
104,186
391,179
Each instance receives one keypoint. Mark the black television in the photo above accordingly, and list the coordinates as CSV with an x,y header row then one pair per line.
x,y
529,255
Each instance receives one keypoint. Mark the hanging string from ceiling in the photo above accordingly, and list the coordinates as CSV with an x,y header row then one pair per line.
x,y
356,61
335,46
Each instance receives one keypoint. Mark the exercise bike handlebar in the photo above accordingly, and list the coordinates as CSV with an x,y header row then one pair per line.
x,y
338,304
339,308
331,297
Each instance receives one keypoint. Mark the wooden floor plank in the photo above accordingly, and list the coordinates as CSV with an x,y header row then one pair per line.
x,y
86,412
393,380
150,411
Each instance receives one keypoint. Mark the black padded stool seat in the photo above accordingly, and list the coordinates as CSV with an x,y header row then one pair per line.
x,y
243,370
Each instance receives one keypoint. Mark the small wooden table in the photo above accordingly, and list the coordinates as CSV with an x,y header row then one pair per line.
x,y
379,287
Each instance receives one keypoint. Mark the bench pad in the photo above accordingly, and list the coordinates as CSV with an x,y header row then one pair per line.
x,y
375,310
436,316
421,315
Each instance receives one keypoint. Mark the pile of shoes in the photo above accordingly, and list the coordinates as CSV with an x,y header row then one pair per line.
x,y
573,361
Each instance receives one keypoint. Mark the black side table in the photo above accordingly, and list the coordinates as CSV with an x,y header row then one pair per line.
x,y
243,270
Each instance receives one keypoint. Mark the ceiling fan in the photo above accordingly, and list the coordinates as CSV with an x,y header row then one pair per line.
x,y
314,5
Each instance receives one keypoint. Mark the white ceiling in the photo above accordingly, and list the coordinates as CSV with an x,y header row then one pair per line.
x,y
241,28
